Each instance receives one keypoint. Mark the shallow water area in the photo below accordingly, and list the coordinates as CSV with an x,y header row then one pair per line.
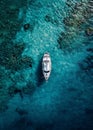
x,y
64,102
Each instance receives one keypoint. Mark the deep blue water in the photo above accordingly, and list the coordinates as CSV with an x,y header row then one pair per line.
x,y
27,30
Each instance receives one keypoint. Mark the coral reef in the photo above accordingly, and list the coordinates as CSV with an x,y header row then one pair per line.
x,y
51,19
89,31
87,64
10,56
78,15
9,90
12,90
29,89
11,59
21,111
9,22
26,26
27,102
15,89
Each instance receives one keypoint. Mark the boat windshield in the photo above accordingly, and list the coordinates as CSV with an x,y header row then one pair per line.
x,y
46,61
46,71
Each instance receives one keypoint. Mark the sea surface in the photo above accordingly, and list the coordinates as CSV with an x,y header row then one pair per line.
x,y
28,29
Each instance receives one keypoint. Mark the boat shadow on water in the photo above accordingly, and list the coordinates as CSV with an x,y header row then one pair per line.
x,y
40,77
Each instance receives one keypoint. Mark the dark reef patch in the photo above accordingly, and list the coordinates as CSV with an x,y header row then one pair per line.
x,y
12,90
51,19
89,31
90,50
11,61
10,56
48,18
21,111
62,41
26,26
29,26
78,16
9,22
28,89
87,64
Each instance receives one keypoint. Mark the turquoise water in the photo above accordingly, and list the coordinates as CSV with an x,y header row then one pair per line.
x,y
65,30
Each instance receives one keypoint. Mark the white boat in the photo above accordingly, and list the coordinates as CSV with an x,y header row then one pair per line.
x,y
46,65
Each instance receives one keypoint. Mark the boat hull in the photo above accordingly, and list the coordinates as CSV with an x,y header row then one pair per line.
x,y
46,66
